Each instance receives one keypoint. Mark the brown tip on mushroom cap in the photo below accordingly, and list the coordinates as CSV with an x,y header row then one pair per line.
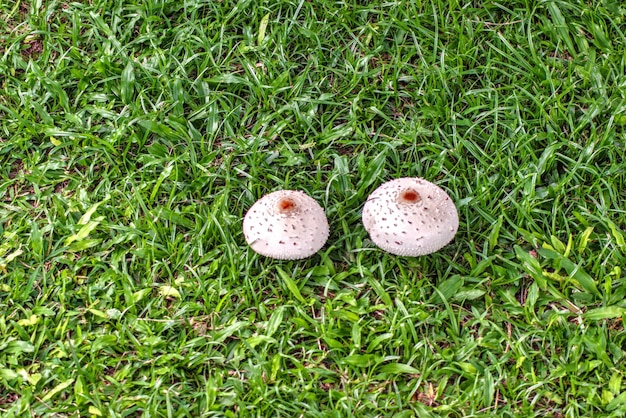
x,y
287,225
410,216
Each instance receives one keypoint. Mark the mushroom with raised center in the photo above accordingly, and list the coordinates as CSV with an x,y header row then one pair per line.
x,y
410,217
286,224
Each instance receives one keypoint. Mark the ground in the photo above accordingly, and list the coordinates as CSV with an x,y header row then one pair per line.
x,y
134,135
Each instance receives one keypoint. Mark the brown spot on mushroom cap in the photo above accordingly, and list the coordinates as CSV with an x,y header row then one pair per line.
x,y
417,210
286,224
285,205
409,196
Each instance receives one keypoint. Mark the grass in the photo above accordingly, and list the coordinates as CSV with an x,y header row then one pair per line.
x,y
135,134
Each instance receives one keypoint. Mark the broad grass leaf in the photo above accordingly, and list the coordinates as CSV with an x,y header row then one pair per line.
x,y
275,320
84,231
449,287
83,245
469,294
606,312
617,402
291,285
262,28
260,339
380,291
98,313
140,294
103,342
532,267
230,330
359,360
84,220
373,345
175,217
615,383
488,389
560,27
58,388
128,83
8,374
468,368
584,239
619,237
398,368
36,242
27,322
229,79
573,270
17,347
169,291
94,411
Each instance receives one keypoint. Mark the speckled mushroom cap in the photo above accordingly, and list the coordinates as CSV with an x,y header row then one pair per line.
x,y
287,225
410,217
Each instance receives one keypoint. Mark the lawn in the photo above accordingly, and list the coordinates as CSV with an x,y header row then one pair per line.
x,y
135,134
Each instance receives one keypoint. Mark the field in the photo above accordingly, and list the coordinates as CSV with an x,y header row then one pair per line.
x,y
135,134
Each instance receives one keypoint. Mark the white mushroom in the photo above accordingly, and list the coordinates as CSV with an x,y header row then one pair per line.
x,y
287,225
410,217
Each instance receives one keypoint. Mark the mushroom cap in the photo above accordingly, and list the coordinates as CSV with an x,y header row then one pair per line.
x,y
286,224
410,216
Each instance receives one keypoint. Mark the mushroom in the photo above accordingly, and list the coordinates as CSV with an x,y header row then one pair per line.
x,y
410,217
286,224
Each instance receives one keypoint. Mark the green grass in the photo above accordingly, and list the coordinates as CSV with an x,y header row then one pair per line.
x,y
135,134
